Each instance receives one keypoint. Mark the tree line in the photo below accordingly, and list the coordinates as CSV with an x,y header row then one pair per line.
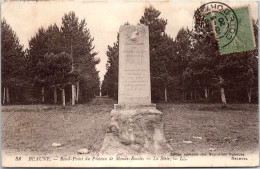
x,y
60,61
189,68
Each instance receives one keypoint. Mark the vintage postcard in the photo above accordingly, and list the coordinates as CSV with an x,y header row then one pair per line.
x,y
129,83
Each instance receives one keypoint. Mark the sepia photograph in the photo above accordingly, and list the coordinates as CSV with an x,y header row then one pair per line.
x,y
129,83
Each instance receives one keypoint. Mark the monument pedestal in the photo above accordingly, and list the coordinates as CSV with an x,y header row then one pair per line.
x,y
136,125
135,130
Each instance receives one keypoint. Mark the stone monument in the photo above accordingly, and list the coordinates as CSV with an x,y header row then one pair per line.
x,y
136,125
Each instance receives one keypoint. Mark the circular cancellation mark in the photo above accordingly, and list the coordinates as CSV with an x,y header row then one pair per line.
x,y
223,18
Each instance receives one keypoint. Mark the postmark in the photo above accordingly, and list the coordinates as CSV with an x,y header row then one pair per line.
x,y
232,26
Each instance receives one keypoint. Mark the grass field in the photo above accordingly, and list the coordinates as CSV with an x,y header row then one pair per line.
x,y
33,128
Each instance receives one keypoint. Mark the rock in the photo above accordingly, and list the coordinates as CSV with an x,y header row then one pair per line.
x,y
56,144
187,142
227,138
83,151
197,137
212,149
235,139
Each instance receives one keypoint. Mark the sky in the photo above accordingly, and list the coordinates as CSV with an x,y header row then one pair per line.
x,y
103,18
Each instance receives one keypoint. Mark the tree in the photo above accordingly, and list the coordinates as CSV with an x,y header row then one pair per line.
x,y
73,38
206,59
252,71
13,63
241,72
54,43
169,75
110,83
180,59
45,41
55,70
229,73
78,42
36,51
158,42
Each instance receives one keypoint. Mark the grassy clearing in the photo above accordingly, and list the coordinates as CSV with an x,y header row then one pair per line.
x,y
233,129
33,128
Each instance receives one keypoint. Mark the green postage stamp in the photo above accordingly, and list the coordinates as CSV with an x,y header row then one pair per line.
x,y
233,29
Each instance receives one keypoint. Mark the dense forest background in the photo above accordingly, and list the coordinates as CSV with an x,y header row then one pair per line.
x,y
58,66
189,68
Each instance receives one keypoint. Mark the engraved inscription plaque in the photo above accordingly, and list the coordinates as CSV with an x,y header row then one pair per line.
x,y
134,65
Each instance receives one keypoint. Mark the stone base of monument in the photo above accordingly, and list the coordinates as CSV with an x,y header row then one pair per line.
x,y
135,130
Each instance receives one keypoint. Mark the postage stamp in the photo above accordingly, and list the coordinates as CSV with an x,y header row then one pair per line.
x,y
232,27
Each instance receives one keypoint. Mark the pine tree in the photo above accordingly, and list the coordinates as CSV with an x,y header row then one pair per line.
x,y
45,41
78,43
35,54
206,59
208,70
73,38
180,59
55,70
158,40
13,64
110,83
